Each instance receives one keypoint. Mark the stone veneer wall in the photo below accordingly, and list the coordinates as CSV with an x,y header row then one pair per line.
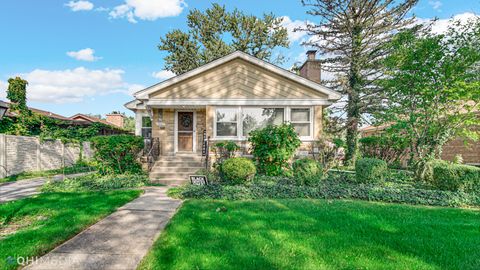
x,y
22,154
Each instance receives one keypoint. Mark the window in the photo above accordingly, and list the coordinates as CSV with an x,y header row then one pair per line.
x,y
238,122
300,119
226,122
255,118
146,127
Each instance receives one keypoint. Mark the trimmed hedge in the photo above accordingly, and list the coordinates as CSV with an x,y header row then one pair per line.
x,y
455,177
307,171
238,170
286,189
370,170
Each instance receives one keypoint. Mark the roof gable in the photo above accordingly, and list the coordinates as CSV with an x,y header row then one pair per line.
x,y
237,75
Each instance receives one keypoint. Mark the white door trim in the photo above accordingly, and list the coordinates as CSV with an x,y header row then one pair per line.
x,y
175,136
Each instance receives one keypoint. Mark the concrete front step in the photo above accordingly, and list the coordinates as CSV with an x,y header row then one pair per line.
x,y
181,158
170,182
159,169
166,175
177,164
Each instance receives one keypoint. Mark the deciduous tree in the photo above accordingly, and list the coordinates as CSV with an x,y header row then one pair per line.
x,y
216,32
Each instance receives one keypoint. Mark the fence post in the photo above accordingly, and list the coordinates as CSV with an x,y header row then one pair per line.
x,y
3,156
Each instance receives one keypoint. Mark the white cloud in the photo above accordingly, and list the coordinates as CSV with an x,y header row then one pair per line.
x,y
149,10
435,4
86,54
441,26
3,89
163,74
79,5
290,26
74,85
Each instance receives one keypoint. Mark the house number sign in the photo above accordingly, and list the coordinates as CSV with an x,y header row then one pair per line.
x,y
199,180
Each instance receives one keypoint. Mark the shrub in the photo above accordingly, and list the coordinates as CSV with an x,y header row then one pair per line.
x,y
117,153
224,150
456,177
329,189
238,170
329,154
93,182
273,147
307,171
370,170
212,175
389,148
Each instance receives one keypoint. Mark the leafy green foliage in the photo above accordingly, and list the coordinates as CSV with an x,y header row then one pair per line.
x,y
238,170
273,147
370,170
307,171
433,85
17,93
390,148
456,177
336,186
212,175
53,218
216,32
224,150
96,182
117,154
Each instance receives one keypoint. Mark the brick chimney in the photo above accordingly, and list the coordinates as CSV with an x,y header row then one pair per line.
x,y
115,119
312,68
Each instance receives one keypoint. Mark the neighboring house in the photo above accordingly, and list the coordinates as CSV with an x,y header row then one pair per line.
x,y
113,122
470,152
226,99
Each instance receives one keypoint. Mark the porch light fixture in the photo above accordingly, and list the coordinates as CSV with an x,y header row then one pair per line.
x,y
3,108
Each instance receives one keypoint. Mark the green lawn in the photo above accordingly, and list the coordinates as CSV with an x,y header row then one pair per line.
x,y
80,168
317,234
43,222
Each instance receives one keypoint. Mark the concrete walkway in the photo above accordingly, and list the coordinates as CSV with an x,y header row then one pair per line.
x,y
120,240
23,188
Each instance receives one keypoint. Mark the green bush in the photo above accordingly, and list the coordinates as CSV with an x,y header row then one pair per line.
x,y
212,175
224,150
330,188
307,171
117,153
456,177
94,182
370,170
273,147
388,147
238,170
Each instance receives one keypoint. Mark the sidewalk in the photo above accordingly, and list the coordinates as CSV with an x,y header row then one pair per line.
x,y
10,191
120,240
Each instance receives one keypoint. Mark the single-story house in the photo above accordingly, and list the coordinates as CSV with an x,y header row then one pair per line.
x,y
226,99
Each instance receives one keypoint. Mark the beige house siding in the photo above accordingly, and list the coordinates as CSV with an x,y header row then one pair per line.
x,y
237,79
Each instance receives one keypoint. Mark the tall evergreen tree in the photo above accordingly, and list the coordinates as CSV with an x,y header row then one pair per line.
x,y
350,34
216,32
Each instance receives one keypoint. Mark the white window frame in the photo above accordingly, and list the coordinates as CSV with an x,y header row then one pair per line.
x,y
310,121
239,125
241,137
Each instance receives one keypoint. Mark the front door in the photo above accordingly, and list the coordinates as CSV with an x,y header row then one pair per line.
x,y
185,131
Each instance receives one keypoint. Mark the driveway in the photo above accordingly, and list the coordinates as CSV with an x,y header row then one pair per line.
x,y
23,188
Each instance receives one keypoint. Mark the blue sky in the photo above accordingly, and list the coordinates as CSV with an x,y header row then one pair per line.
x,y
88,56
